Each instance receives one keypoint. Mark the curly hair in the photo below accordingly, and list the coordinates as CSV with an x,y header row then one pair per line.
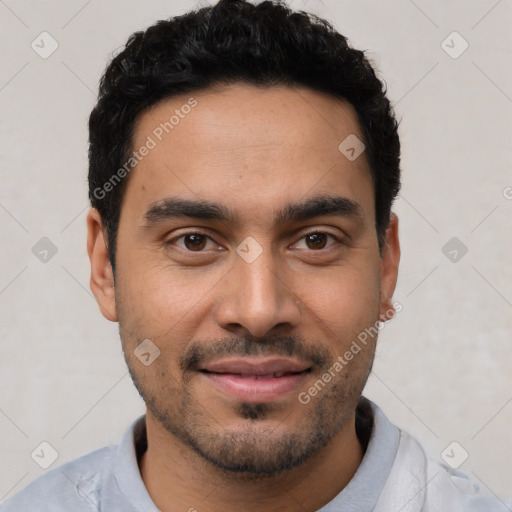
x,y
236,41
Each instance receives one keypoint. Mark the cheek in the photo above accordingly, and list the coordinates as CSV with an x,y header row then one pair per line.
x,y
163,303
343,301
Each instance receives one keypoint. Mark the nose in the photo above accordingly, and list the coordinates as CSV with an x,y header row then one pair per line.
x,y
257,298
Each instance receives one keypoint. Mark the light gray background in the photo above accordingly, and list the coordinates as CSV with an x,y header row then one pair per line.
x,y
444,365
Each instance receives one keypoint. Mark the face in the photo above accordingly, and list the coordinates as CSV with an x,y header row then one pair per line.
x,y
247,265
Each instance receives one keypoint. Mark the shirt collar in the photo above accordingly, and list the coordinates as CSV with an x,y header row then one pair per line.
x,y
126,469
362,492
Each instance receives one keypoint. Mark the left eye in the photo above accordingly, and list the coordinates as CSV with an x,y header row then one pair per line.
x,y
195,242
315,241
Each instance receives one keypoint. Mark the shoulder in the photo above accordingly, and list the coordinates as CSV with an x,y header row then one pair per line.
x,y
435,487
72,486
452,488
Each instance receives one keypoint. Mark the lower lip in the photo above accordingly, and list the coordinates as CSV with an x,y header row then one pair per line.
x,y
255,390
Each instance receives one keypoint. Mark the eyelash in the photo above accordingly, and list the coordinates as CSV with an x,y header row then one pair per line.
x,y
183,235
334,239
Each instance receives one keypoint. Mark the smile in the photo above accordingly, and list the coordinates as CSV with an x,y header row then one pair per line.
x,y
255,381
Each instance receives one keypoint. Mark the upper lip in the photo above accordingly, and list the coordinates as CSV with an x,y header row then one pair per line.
x,y
249,366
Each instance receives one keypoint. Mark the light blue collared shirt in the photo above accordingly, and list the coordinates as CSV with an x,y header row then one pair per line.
x,y
109,480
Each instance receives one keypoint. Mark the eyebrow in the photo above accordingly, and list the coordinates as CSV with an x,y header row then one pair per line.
x,y
173,207
318,207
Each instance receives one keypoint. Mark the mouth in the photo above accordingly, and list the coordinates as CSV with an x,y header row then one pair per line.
x,y
255,380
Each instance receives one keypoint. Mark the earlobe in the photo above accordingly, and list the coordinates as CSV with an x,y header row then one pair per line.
x,y
102,276
389,269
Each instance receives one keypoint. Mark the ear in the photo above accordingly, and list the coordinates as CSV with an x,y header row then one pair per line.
x,y
102,276
390,259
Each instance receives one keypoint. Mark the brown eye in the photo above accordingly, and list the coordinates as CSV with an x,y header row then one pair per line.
x,y
316,240
194,242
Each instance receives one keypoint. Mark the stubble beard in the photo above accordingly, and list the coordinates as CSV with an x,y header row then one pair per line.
x,y
257,447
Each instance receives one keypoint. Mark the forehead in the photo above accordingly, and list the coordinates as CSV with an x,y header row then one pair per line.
x,y
244,145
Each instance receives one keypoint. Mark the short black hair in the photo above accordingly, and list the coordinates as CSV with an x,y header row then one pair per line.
x,y
233,41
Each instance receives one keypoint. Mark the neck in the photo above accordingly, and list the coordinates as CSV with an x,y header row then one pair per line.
x,y
177,479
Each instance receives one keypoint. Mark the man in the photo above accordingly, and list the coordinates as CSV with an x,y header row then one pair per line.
x,y
243,164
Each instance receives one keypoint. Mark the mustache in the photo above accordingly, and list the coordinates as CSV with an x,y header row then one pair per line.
x,y
196,354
